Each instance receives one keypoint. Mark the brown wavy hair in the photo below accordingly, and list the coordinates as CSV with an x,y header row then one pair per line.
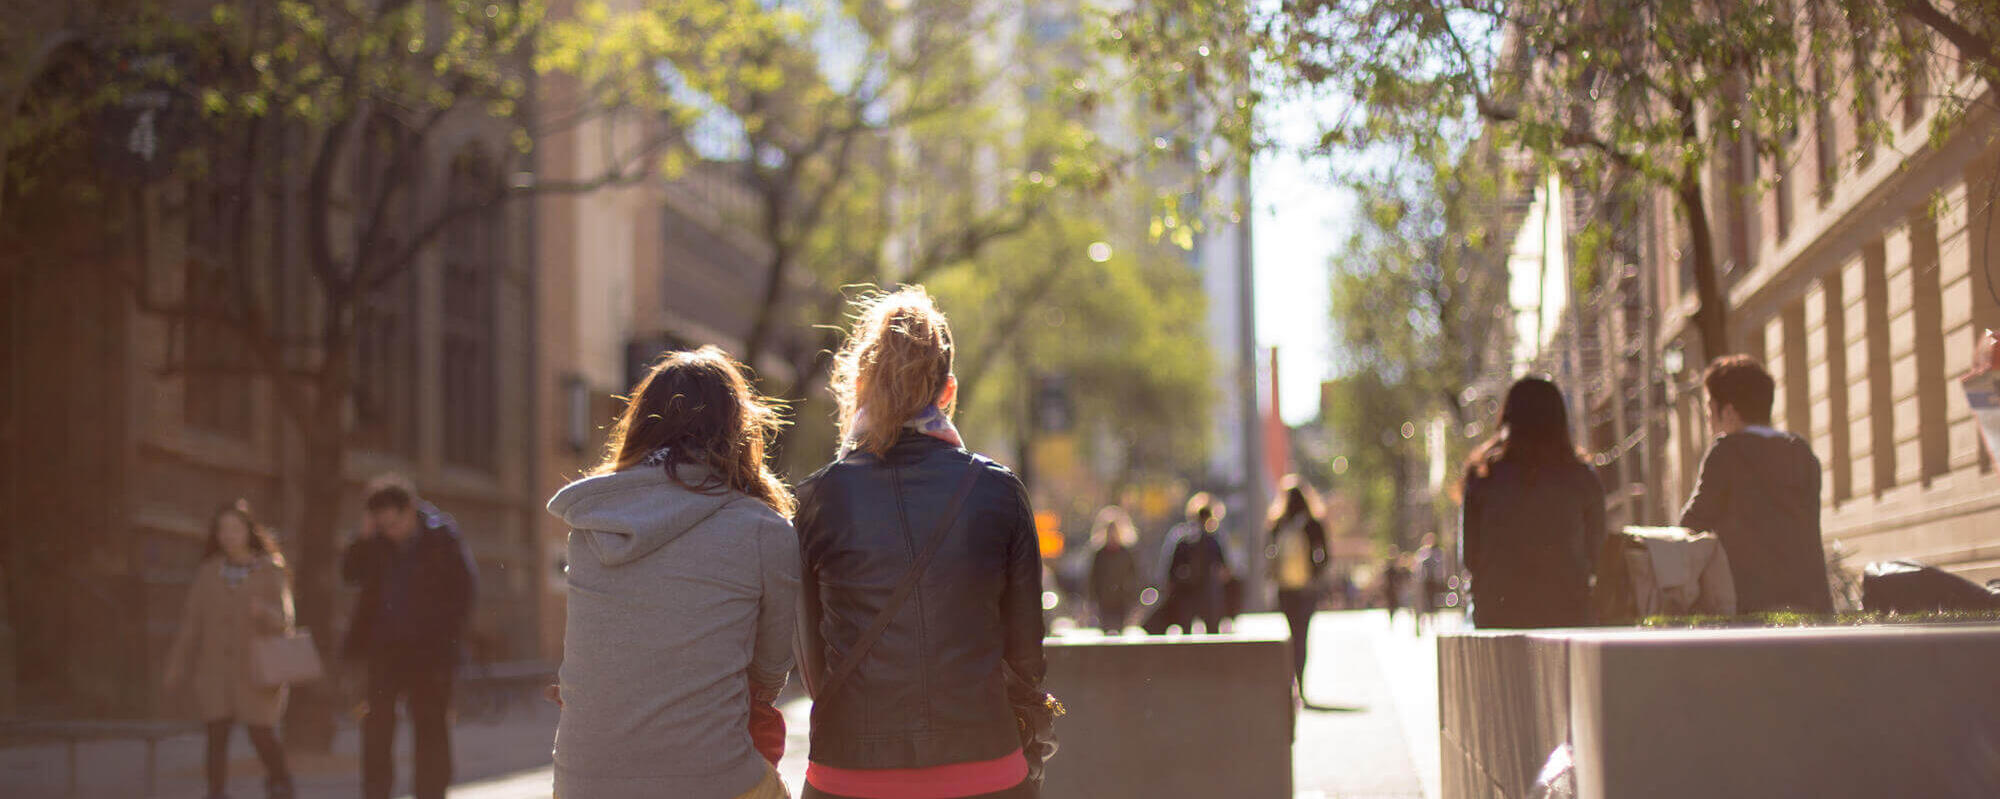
x,y
260,540
894,364
699,406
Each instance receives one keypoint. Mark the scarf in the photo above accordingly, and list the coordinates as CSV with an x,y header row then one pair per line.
x,y
931,422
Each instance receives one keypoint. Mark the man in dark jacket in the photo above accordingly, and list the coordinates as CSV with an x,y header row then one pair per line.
x,y
416,582
1759,494
1197,572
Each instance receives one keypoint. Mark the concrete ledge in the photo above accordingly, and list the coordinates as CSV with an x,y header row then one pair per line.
x,y
1503,704
1824,712
1174,716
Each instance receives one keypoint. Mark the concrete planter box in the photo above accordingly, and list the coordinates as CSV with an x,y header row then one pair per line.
x,y
1177,716
1823,712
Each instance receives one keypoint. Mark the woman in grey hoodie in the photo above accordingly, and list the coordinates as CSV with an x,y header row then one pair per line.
x,y
683,579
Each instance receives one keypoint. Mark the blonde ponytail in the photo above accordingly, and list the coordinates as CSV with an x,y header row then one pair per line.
x,y
894,364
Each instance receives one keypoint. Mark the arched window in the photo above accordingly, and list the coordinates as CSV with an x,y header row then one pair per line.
x,y
213,356
471,258
385,362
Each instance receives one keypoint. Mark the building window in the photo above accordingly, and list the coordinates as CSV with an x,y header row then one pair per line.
x,y
1741,204
1866,99
1781,192
214,359
385,335
577,413
1916,72
385,367
471,260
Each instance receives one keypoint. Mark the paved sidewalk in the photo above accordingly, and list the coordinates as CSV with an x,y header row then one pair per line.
x,y
1371,734
510,751
1370,731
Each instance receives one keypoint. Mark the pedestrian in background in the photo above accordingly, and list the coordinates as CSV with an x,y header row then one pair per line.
x,y
1395,577
683,593
918,690
1114,569
241,593
1533,516
1430,579
409,622
1758,491
1197,572
1297,556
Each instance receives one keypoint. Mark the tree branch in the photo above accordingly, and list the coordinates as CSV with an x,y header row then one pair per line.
x,y
623,173
967,243
998,341
1969,42
319,206
393,175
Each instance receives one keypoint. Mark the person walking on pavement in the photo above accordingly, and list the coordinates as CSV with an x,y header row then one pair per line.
x,y
1114,570
416,585
921,583
241,592
1197,572
1430,579
683,594
1533,516
1395,577
1297,554
1758,492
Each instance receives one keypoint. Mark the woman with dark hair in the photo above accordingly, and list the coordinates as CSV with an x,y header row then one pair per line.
x,y
1297,553
683,591
1534,517
240,593
921,638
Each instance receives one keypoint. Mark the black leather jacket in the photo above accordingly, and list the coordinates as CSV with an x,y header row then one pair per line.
x,y
931,691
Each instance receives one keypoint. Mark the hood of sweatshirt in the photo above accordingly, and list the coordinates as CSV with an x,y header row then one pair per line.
x,y
623,516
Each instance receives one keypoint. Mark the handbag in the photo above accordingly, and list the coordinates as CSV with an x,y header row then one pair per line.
x,y
288,659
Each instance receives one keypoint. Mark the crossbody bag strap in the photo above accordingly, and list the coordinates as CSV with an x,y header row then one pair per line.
x,y
903,589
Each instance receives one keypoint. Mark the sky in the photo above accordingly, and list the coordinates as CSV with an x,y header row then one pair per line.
x,y
1299,220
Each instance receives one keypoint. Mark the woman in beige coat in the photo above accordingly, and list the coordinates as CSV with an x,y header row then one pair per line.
x,y
240,593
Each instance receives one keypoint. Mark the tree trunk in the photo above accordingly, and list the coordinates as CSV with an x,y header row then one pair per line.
x,y
1399,503
309,725
775,275
1711,317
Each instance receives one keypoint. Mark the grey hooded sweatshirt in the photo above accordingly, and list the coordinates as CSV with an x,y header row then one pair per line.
x,y
679,602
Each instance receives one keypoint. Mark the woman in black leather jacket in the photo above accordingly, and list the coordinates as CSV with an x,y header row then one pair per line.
x,y
932,695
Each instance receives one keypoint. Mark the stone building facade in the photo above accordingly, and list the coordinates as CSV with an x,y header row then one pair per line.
x,y
113,457
1864,279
